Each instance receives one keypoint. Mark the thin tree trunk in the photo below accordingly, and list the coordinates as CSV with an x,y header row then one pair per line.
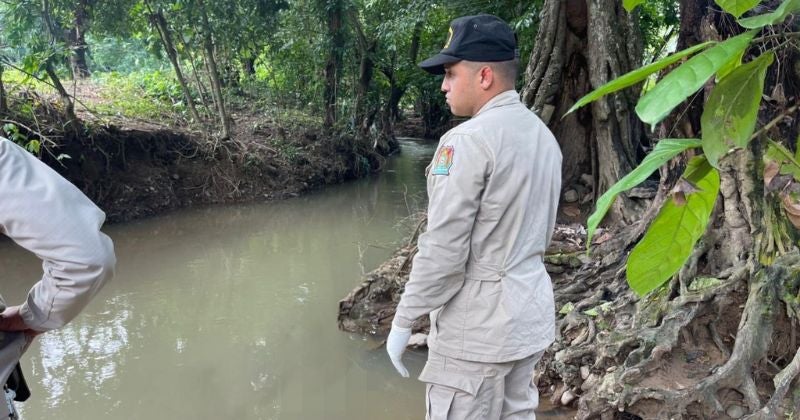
x,y
216,88
249,66
69,107
582,44
333,65
201,88
160,22
366,50
3,102
77,60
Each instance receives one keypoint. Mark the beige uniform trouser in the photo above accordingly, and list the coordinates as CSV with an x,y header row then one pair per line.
x,y
462,390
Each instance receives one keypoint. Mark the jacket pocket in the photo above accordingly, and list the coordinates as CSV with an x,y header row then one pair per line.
x,y
459,381
453,395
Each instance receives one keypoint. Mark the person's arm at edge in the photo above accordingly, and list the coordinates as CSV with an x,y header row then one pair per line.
x,y
47,215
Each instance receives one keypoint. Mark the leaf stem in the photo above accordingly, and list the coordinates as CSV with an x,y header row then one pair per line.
x,y
773,36
774,122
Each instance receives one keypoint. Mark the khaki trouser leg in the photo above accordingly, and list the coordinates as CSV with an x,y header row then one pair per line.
x,y
462,390
521,395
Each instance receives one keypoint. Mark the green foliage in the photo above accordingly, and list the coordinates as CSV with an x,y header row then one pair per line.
x,y
122,55
142,94
729,116
665,150
631,4
680,223
736,7
788,163
729,121
779,15
688,78
635,76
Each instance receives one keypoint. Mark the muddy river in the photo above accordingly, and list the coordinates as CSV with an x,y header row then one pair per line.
x,y
229,312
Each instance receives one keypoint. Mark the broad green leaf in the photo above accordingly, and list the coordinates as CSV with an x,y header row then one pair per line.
x,y
730,66
730,113
670,239
737,7
631,4
688,78
785,9
636,76
797,146
665,150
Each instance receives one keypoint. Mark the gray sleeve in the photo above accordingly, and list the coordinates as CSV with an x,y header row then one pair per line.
x,y
454,198
47,215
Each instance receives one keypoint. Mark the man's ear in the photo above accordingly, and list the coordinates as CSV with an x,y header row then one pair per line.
x,y
487,77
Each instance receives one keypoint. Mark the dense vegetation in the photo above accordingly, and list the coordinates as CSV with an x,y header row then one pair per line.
x,y
349,64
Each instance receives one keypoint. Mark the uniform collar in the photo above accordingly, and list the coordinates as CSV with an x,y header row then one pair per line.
x,y
509,97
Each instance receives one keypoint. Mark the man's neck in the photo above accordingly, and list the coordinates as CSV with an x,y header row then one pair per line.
x,y
487,96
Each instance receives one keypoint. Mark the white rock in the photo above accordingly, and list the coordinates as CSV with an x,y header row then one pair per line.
x,y
735,412
589,383
571,196
585,372
567,397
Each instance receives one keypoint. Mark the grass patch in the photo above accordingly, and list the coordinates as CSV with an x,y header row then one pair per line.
x,y
151,95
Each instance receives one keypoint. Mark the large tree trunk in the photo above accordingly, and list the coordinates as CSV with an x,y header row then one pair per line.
x,y
160,23
581,45
77,41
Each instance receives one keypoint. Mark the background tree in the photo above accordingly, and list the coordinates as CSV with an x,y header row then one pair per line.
x,y
581,45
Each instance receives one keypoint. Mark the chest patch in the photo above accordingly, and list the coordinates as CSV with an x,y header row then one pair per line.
x,y
443,161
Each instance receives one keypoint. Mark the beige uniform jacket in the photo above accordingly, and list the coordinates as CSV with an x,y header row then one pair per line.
x,y
493,189
47,215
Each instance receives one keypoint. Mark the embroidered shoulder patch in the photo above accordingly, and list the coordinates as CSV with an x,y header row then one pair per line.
x,y
443,161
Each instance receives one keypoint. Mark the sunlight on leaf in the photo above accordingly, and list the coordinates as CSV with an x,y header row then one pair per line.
x,y
785,9
736,7
688,78
636,76
729,116
631,4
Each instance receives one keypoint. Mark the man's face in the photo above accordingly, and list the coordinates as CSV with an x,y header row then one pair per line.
x,y
460,85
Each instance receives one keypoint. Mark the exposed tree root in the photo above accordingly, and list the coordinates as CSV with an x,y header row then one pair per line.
x,y
702,348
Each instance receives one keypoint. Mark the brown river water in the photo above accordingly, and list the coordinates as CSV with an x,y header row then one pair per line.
x,y
229,312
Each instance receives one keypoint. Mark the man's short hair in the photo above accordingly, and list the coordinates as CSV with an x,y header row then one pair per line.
x,y
507,71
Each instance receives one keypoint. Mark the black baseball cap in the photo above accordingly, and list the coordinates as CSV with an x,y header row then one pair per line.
x,y
474,38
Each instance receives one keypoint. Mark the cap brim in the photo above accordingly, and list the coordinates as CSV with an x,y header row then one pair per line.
x,y
435,64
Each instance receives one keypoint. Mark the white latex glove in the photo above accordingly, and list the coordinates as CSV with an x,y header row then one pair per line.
x,y
396,345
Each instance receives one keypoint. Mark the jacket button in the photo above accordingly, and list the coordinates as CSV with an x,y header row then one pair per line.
x,y
502,273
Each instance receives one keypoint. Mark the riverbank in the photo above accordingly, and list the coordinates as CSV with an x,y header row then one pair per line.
x,y
134,169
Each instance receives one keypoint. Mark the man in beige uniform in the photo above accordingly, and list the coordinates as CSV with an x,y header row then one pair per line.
x,y
47,215
493,189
